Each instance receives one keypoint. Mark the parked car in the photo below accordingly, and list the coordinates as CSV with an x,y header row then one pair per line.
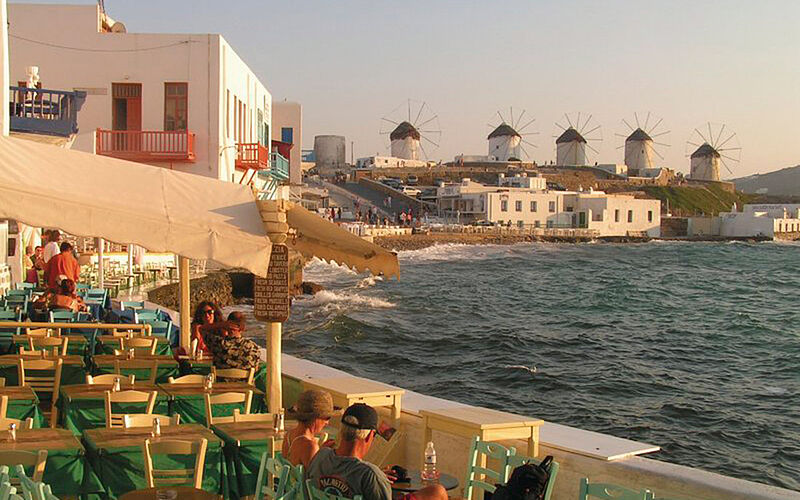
x,y
412,180
410,191
482,223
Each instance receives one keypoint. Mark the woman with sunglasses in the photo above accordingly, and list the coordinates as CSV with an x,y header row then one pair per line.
x,y
203,323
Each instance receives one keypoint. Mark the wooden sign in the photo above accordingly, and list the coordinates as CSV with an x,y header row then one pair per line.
x,y
271,294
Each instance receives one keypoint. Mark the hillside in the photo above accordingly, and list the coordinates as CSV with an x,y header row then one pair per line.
x,y
685,200
784,182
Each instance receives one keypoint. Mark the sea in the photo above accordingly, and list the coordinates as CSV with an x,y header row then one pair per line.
x,y
694,347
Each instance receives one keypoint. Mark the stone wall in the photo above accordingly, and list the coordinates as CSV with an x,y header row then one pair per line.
x,y
216,287
672,227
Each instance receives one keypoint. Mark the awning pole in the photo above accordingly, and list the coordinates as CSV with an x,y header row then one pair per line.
x,y
274,388
100,243
130,264
184,303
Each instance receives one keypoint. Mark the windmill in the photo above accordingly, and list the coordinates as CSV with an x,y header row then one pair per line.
x,y
641,141
709,146
507,138
411,126
573,141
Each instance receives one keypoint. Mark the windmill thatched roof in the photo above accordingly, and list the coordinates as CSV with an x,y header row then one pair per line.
x,y
705,150
502,130
403,131
570,135
639,135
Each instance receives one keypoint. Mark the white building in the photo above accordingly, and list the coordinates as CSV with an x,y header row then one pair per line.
x,y
607,214
405,141
505,143
639,150
389,162
287,121
186,102
704,165
537,182
570,149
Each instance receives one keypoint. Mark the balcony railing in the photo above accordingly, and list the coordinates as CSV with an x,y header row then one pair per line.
x,y
251,156
43,111
146,145
279,166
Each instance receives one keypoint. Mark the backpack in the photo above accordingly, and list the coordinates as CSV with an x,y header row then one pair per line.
x,y
527,482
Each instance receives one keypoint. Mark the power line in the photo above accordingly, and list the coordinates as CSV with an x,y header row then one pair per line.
x,y
81,49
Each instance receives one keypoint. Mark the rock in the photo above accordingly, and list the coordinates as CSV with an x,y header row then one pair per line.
x,y
215,287
310,288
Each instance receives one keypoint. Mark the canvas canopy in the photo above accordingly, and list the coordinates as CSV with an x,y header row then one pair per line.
x,y
160,209
316,237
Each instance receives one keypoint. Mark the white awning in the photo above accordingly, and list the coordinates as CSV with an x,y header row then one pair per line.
x,y
160,209
317,237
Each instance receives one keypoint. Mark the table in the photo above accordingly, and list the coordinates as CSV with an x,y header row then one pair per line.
x,y
188,400
77,343
109,342
83,406
117,458
415,482
167,366
203,366
245,442
488,425
22,404
72,371
66,471
349,390
183,493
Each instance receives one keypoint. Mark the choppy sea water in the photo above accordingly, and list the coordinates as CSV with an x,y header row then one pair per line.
x,y
691,346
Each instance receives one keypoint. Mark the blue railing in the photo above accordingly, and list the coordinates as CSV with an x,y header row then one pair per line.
x,y
43,111
279,166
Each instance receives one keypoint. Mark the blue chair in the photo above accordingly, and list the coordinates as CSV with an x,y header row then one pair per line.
x,y
6,334
515,461
57,316
19,292
24,286
19,302
160,328
271,472
140,316
131,304
478,475
606,491
82,286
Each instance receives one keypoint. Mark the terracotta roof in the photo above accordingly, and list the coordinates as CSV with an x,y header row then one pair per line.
x,y
570,135
503,129
404,130
639,135
705,150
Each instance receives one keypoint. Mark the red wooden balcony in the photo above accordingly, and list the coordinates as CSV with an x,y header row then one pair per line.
x,y
146,145
251,155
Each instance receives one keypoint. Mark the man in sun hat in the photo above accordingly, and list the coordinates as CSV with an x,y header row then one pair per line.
x,y
343,472
312,411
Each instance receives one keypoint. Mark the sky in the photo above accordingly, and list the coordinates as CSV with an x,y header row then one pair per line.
x,y
351,63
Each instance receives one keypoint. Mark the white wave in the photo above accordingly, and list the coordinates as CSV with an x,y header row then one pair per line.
x,y
329,300
530,369
775,391
369,281
319,271
454,251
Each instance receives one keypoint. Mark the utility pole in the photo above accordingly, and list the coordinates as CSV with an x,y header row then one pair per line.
x,y
351,153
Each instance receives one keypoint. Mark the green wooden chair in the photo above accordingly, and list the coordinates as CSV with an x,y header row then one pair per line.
x,y
19,292
272,477
515,461
17,302
479,476
159,328
24,286
63,317
131,304
314,493
606,491
139,316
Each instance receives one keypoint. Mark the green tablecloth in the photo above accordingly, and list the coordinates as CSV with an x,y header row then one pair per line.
x,y
81,413
68,473
26,408
70,374
121,469
192,408
242,461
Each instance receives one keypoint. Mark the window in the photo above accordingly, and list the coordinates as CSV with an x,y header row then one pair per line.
x,y
568,209
616,215
597,216
552,207
649,216
518,206
176,106
533,206
287,135
504,205
630,215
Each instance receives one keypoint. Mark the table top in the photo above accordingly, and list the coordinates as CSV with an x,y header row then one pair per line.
x,y
15,392
482,418
11,359
108,359
353,387
216,388
248,431
181,493
110,338
98,391
40,439
415,483
123,438
73,339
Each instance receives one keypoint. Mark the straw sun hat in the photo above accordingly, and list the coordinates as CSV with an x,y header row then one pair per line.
x,y
312,404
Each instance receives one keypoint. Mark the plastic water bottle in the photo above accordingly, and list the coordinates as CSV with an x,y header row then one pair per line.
x,y
429,471
156,427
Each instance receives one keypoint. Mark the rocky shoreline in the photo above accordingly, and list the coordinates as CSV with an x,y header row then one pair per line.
x,y
420,241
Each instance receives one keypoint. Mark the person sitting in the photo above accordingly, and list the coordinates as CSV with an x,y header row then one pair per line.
x,y
313,411
62,266
206,320
64,298
227,346
343,472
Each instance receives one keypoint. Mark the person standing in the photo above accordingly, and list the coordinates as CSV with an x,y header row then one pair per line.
x,y
52,248
62,266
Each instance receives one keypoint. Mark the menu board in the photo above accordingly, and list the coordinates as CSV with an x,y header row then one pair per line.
x,y
271,294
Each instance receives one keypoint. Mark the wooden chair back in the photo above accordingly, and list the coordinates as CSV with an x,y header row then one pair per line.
x,y
5,422
234,374
226,398
144,420
238,416
187,379
170,477
607,491
121,365
141,345
3,406
479,475
37,460
109,378
515,461
42,375
38,332
56,346
148,398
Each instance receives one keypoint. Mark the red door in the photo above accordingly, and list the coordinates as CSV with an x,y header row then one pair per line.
x,y
126,110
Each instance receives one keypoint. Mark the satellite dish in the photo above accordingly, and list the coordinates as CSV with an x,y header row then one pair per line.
x,y
118,27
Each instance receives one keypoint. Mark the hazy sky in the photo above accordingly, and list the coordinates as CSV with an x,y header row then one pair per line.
x,y
352,62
